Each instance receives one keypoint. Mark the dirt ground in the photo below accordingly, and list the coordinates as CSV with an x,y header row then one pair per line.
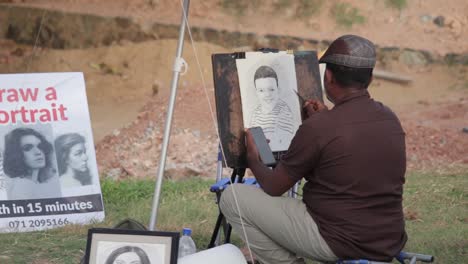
x,y
128,84
412,27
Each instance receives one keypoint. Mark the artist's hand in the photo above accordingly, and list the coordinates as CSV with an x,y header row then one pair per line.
x,y
252,152
312,106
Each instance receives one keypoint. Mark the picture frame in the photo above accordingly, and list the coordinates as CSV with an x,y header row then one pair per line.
x,y
106,245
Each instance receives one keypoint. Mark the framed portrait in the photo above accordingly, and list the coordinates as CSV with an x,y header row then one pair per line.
x,y
111,246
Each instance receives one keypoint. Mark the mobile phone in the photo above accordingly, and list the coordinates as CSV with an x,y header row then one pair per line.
x,y
266,155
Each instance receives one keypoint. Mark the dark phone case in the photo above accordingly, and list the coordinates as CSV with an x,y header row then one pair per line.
x,y
266,155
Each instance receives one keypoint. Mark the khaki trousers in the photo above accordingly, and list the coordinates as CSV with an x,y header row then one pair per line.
x,y
279,229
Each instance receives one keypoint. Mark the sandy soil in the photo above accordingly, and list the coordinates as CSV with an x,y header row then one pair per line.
x,y
136,78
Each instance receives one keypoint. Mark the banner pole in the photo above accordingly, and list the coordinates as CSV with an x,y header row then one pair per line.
x,y
178,64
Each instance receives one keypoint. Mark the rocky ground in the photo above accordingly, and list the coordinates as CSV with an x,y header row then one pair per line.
x,y
436,140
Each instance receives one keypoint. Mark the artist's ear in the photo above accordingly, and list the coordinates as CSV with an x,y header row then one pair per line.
x,y
328,76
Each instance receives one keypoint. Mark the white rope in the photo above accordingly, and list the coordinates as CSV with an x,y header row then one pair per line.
x,y
215,126
37,39
28,64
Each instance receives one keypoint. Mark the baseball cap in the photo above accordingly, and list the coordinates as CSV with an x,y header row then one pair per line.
x,y
351,51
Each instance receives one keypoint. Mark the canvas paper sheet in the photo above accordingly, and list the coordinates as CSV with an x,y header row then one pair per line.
x,y
268,89
49,176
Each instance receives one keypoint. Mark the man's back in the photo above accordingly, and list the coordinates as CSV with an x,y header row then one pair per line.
x,y
355,162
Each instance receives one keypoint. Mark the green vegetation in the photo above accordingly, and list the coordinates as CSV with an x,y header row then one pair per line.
x,y
437,215
435,207
397,4
303,8
278,5
346,15
307,8
239,7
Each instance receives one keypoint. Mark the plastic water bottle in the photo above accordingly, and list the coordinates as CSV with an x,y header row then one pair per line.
x,y
186,244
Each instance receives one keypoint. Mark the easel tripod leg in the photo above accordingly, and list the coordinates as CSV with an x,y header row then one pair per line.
x,y
214,236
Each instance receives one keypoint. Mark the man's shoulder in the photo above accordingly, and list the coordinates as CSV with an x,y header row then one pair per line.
x,y
320,121
386,112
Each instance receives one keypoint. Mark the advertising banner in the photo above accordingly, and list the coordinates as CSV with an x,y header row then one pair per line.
x,y
48,170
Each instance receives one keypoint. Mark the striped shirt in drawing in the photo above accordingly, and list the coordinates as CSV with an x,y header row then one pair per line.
x,y
278,124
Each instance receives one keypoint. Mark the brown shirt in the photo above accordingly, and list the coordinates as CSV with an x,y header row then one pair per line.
x,y
353,159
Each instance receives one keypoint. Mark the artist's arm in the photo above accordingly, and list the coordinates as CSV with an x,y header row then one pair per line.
x,y
273,182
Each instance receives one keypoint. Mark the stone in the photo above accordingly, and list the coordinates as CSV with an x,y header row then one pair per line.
x,y
181,172
18,52
455,26
452,59
114,174
196,133
412,57
439,21
425,18
261,42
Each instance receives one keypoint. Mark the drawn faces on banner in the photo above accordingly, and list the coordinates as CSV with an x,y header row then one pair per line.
x,y
268,84
37,108
29,164
72,160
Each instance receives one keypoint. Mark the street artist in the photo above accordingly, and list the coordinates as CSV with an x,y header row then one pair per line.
x,y
353,160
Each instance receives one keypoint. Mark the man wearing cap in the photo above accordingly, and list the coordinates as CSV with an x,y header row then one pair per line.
x,y
353,160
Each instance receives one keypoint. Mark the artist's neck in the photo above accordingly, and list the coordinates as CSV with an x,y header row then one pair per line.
x,y
346,92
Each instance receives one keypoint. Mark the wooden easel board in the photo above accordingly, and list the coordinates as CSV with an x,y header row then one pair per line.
x,y
229,105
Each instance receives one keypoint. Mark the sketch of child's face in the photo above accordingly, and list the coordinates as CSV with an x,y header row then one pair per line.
x,y
33,155
128,258
267,92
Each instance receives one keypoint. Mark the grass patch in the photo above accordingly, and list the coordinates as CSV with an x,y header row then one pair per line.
x,y
435,206
346,15
438,212
396,4
303,8
239,7
183,204
308,8
278,5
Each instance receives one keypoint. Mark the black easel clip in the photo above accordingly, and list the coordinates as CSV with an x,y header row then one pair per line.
x,y
267,50
238,55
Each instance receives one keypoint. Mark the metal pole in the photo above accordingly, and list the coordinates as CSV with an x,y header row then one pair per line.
x,y
170,111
